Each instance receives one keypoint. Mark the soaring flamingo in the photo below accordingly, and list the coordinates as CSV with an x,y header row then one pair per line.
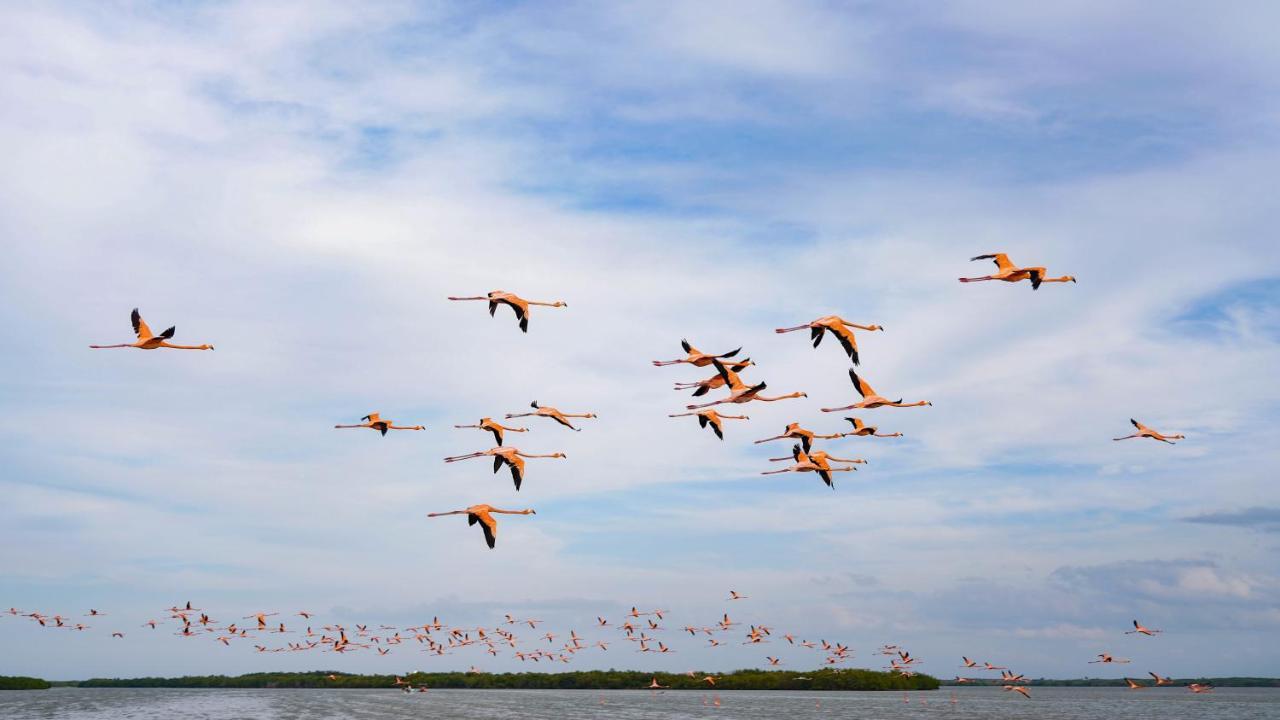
x,y
793,431
712,418
483,514
803,463
862,430
1146,432
1133,684
1018,689
1161,680
148,341
695,357
554,414
493,427
871,399
515,302
1008,272
1138,629
739,392
375,422
1107,659
715,382
839,327
509,456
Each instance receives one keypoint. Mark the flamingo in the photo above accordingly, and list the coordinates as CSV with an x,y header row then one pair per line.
x,y
518,304
695,357
1133,684
509,456
712,418
493,427
1018,689
375,422
653,685
862,430
1107,659
554,414
1008,272
968,663
1144,431
483,514
870,399
716,381
733,595
839,327
148,341
803,463
740,392
1161,680
793,431
1199,688
1139,630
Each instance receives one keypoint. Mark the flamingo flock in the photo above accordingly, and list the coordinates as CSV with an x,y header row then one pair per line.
x,y
727,377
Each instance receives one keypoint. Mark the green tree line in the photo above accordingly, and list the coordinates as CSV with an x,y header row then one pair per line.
x,y
16,682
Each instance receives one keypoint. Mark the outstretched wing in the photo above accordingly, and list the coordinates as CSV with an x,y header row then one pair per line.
x,y
1140,426
168,333
702,421
815,334
685,344
497,462
857,423
715,428
140,326
845,336
517,471
1037,277
488,524
862,386
806,442
497,434
1001,260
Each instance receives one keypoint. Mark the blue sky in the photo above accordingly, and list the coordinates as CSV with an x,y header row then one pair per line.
x,y
303,183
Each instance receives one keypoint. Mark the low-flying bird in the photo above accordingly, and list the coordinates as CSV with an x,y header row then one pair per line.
x,y
550,412
717,381
1160,680
518,304
506,455
494,427
793,431
1133,684
374,421
803,463
483,514
733,595
1138,629
1018,689
1199,688
1107,659
862,430
870,398
695,357
1008,272
837,326
712,418
740,392
1146,432
148,341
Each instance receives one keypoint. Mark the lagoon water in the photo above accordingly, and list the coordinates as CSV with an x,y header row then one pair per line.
x,y
984,703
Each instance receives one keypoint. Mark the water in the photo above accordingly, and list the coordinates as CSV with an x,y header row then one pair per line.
x,y
977,703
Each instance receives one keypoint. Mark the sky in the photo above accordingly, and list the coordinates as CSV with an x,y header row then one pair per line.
x,y
303,183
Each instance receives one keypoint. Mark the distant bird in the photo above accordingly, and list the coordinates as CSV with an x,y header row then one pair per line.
x,y
862,430
1133,684
1008,272
1018,689
506,455
733,595
653,685
712,418
837,326
871,399
1199,688
1161,680
375,422
494,427
793,431
148,341
1138,629
803,463
695,356
717,381
483,514
518,304
550,412
1107,659
968,663
1146,432
740,392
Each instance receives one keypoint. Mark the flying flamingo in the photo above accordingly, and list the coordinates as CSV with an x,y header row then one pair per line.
x,y
148,341
493,427
515,302
1008,272
715,382
839,327
1107,659
712,418
1161,680
733,595
1018,689
696,357
375,422
740,392
1139,630
1133,684
862,430
554,414
870,399
1144,431
793,431
509,456
1199,688
483,514
803,463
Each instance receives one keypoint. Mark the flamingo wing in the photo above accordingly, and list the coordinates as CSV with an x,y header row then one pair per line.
x,y
140,327
845,336
863,387
517,471
497,433
488,524
687,347
715,428
1001,260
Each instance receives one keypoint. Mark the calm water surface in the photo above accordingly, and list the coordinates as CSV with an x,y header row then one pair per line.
x,y
984,703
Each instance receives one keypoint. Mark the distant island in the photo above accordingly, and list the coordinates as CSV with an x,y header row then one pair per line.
x,y
17,682
848,679
1119,682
